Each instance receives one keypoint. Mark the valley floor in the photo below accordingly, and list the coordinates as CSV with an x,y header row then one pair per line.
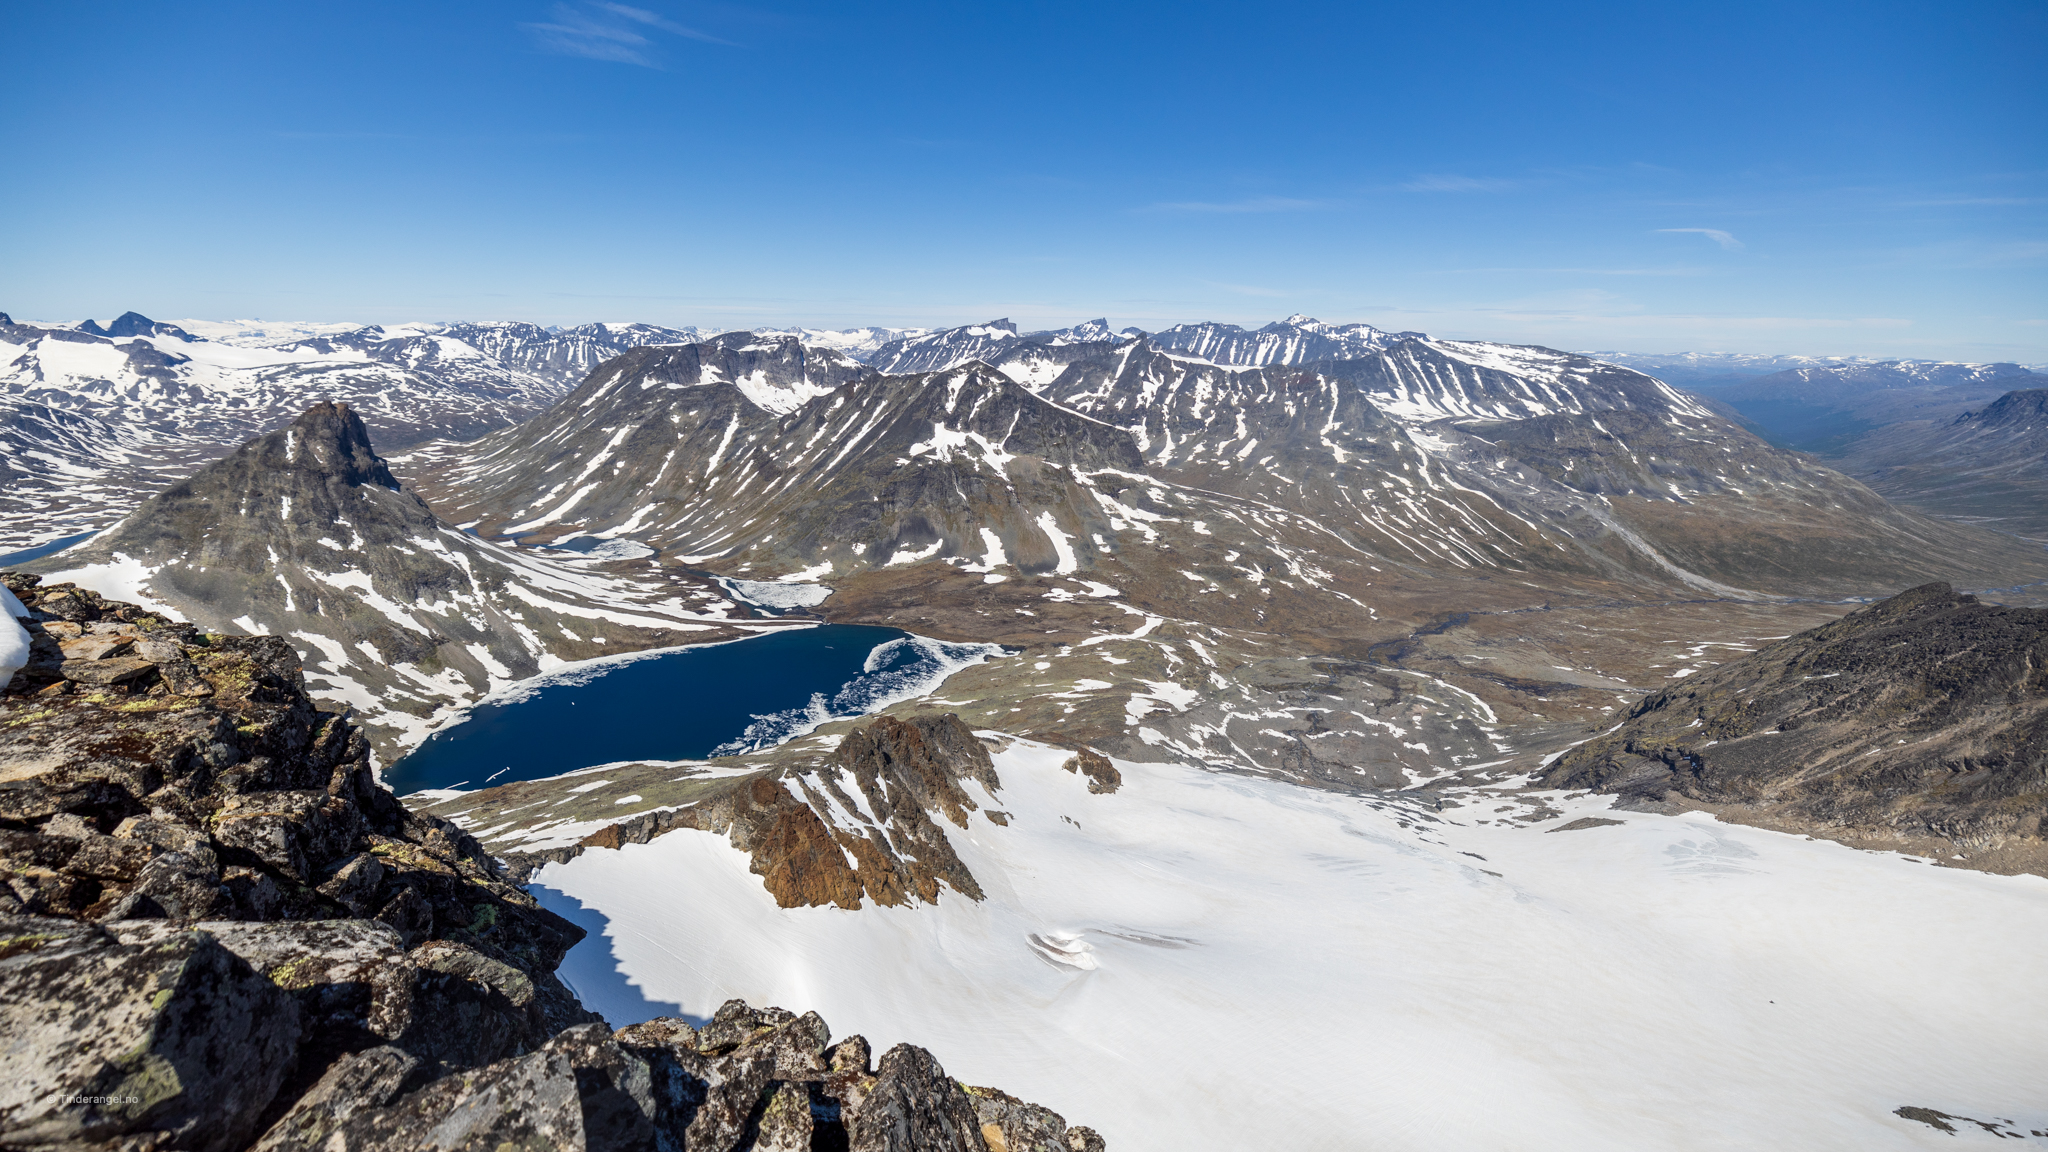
x,y
1205,960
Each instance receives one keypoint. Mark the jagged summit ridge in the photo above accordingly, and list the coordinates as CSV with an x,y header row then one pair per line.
x,y
879,470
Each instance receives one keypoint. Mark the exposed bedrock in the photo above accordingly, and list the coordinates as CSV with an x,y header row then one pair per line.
x,y
218,932
1923,717
879,798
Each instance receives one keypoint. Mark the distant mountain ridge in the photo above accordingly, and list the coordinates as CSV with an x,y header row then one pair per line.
x,y
1296,340
1712,369
743,475
1988,466
163,400
179,395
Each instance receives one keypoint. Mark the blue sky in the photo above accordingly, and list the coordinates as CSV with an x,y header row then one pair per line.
x,y
1825,178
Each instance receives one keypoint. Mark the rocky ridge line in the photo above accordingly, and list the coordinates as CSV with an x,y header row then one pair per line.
x,y
217,932
1920,720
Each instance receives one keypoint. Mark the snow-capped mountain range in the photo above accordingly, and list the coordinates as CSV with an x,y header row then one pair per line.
x,y
97,416
1237,502
100,414
1291,621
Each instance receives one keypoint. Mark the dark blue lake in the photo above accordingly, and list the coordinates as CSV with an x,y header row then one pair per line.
x,y
50,549
687,704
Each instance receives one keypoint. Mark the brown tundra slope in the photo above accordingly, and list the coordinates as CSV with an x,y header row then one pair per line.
x,y
1920,722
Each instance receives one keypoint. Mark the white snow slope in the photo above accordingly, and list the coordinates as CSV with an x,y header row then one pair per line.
x,y
1215,961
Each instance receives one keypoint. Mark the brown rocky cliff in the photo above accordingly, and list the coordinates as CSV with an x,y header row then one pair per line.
x,y
802,822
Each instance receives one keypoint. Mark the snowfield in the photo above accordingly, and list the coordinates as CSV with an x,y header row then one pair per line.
x,y
1215,961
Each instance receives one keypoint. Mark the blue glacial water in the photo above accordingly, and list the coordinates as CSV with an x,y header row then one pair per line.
x,y
50,549
685,704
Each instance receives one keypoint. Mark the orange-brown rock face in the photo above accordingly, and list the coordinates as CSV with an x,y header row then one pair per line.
x,y
851,825
1102,775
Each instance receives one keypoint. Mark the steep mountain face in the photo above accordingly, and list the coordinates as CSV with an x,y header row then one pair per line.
x,y
221,933
305,533
1922,717
647,430
732,446
1295,340
1482,455
938,351
1988,466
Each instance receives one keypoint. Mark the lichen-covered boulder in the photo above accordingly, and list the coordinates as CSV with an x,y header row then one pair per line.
x,y
912,1106
177,1036
581,1091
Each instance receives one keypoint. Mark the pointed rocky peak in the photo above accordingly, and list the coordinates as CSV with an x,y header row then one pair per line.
x,y
329,438
132,324
1087,332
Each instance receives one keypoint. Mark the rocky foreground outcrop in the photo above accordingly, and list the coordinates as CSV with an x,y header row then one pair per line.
x,y
1921,718
218,932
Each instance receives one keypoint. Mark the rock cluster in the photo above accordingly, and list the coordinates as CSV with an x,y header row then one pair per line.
x,y
218,932
751,1079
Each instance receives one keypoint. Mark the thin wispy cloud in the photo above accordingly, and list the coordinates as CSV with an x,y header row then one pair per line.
x,y
1255,204
1440,182
599,30
1975,202
1727,242
656,20
1582,271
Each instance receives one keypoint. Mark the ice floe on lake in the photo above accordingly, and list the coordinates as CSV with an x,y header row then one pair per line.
x,y
898,670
